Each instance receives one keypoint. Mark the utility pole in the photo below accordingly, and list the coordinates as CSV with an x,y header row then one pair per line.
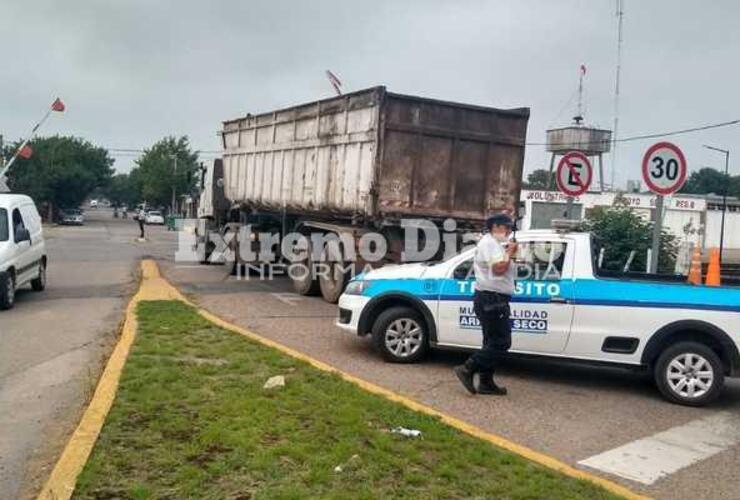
x,y
3,185
724,198
174,184
620,16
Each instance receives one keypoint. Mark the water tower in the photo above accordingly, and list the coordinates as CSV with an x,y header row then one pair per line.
x,y
592,142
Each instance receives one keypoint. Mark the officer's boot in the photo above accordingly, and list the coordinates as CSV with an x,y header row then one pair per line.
x,y
465,373
486,385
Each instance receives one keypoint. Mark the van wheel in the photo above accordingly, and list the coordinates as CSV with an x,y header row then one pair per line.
x,y
400,335
7,290
39,283
689,373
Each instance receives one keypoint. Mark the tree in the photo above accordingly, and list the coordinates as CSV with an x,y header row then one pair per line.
x,y
168,163
121,191
539,179
706,180
619,231
61,172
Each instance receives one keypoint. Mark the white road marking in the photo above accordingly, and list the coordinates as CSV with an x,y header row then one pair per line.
x,y
288,298
649,459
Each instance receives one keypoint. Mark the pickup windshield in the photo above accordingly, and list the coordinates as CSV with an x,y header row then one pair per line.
x,y
4,234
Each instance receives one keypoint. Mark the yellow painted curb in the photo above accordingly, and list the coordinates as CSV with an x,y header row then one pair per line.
x,y
501,442
61,483
63,478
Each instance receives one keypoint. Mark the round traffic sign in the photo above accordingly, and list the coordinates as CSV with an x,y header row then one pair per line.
x,y
664,168
574,174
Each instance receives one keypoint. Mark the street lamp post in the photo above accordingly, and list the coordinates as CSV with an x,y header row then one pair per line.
x,y
724,197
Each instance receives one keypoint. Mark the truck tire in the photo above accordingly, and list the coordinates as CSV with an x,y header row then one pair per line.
x,y
689,373
7,291
302,275
333,277
38,284
400,335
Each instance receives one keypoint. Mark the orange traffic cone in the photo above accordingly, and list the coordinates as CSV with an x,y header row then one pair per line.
x,y
695,269
713,272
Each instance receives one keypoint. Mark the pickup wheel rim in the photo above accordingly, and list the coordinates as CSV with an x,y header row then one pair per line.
x,y
690,375
404,337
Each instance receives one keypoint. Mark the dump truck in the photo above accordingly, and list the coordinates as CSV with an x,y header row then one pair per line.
x,y
360,162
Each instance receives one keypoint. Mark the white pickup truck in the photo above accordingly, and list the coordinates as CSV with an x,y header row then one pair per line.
x,y
564,307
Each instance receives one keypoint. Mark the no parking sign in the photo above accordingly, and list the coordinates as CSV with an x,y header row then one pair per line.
x,y
574,174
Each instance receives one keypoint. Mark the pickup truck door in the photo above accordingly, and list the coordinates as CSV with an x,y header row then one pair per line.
x,y
542,307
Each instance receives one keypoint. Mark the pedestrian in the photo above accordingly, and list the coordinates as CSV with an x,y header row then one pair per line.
x,y
140,219
495,272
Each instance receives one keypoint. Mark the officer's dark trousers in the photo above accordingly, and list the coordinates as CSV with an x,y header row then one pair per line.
x,y
493,311
141,228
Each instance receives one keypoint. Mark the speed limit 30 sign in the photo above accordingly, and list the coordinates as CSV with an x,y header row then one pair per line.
x,y
664,168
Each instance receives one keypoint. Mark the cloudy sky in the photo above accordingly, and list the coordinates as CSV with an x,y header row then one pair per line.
x,y
133,71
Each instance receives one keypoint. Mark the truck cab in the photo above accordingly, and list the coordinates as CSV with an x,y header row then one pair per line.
x,y
563,307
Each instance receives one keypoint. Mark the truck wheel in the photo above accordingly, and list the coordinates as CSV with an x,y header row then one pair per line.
x,y
7,291
39,283
689,373
303,276
332,278
400,335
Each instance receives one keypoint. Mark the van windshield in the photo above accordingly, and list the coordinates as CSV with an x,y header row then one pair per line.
x,y
4,233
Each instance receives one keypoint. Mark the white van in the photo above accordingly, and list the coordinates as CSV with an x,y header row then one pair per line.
x,y
22,248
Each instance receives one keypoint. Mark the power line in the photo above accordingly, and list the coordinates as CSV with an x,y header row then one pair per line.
x,y
139,151
652,135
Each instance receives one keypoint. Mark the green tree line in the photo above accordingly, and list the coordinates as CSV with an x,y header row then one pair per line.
x,y
63,171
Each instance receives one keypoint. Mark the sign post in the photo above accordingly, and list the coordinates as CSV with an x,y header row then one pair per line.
x,y
664,173
573,177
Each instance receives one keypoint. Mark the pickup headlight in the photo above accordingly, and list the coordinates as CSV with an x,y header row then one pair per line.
x,y
356,287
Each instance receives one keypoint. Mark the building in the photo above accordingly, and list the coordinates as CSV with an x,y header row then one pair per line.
x,y
694,219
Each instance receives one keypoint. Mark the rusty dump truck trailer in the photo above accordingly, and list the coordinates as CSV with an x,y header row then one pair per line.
x,y
367,160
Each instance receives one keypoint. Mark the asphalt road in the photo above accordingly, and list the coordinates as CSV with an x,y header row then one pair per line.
x,y
53,343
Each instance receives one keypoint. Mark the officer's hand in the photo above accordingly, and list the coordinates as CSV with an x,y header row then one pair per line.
x,y
512,248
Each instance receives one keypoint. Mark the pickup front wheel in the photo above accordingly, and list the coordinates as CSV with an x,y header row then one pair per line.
x,y
400,335
689,373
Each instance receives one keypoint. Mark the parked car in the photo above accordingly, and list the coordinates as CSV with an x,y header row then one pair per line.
x,y
154,217
71,216
93,203
685,335
22,249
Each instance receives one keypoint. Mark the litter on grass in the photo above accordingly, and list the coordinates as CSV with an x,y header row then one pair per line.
x,y
413,433
276,381
340,468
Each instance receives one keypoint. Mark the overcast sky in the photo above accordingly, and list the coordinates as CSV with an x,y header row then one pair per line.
x,y
133,71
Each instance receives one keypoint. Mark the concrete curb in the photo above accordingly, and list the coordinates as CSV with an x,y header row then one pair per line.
x,y
63,478
61,483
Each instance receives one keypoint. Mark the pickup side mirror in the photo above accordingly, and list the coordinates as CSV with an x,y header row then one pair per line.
x,y
22,234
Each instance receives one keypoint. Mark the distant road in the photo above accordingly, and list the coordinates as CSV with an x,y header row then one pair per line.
x,y
53,343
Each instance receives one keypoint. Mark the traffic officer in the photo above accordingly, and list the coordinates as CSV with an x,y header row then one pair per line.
x,y
141,219
494,285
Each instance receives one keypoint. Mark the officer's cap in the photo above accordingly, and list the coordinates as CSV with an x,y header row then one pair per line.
x,y
499,219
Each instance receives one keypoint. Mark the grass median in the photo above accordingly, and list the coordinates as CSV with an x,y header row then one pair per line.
x,y
192,419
